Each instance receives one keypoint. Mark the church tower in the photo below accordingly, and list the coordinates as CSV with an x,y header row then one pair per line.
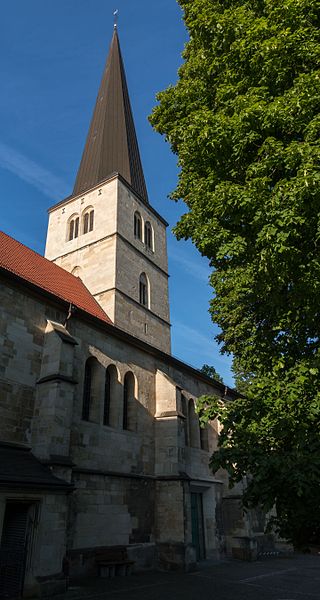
x,y
106,232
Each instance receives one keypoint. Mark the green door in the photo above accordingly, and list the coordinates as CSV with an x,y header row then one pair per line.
x,y
197,525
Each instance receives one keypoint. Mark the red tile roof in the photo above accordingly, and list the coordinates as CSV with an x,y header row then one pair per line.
x,y
41,272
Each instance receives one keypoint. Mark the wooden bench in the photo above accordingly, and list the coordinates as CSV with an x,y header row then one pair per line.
x,y
114,561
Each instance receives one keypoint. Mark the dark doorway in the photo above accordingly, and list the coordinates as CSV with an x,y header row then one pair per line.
x,y
13,549
197,525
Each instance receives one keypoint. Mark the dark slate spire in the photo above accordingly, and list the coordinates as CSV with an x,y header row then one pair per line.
x,y
111,145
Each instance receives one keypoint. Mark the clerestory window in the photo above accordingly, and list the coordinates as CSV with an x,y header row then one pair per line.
x,y
194,430
87,390
129,403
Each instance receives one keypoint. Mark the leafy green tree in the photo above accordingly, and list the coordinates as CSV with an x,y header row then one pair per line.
x,y
211,372
244,120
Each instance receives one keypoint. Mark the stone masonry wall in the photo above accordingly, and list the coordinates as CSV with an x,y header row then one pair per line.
x,y
110,259
105,220
154,447
128,203
111,511
114,469
21,338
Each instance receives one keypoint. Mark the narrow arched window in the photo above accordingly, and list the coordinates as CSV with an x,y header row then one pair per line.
x,y
76,271
129,416
143,290
148,235
137,226
92,390
73,228
76,227
88,221
86,402
125,403
107,398
91,220
184,410
111,406
194,432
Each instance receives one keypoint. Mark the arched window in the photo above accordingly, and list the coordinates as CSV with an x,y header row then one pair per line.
x,y
88,221
73,228
92,390
194,431
143,290
76,271
137,226
76,227
107,398
148,236
129,405
184,410
87,390
110,405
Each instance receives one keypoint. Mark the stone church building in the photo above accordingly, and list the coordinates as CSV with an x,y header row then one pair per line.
x,y
100,444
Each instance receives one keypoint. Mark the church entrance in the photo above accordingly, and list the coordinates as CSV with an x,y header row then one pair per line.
x,y
197,525
13,549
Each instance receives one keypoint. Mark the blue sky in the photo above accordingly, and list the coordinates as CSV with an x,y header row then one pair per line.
x,y
52,58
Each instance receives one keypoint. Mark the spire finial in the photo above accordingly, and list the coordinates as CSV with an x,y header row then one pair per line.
x,y
115,14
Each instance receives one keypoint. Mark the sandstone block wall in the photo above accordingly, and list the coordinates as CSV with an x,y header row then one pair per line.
x,y
131,485
155,448
129,266
110,510
102,200
143,323
128,204
110,259
21,338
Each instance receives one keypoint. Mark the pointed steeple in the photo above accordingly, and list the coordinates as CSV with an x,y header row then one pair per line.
x,y
111,145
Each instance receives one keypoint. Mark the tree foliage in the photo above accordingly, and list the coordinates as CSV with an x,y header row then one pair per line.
x,y
211,372
244,120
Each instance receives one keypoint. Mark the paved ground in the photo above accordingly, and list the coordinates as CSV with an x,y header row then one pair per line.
x,y
294,578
